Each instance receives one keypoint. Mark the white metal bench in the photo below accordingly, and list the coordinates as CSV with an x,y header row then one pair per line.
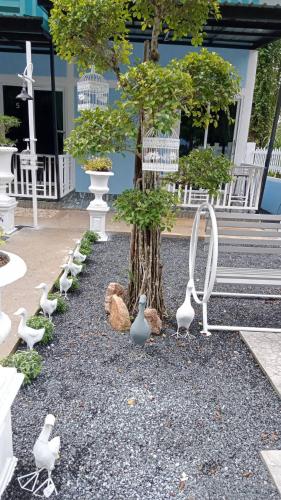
x,y
236,233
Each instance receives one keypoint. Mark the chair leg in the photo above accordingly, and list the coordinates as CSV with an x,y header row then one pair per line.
x,y
205,330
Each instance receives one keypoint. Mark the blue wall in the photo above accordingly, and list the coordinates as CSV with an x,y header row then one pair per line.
x,y
123,167
13,63
272,196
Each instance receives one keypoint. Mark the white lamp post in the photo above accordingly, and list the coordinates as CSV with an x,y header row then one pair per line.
x,y
27,94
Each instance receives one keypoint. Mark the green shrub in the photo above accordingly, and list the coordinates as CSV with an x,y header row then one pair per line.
x,y
27,362
91,236
86,247
74,286
62,306
38,322
98,164
274,173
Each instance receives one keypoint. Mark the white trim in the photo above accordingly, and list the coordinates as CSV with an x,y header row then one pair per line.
x,y
246,109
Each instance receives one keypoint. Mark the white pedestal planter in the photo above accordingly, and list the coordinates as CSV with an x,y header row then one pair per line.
x,y
98,208
10,382
12,271
7,203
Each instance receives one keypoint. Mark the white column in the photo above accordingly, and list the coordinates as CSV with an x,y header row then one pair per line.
x,y
245,115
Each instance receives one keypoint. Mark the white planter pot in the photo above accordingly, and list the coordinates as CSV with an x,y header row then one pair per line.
x,y
10,382
98,207
7,203
12,271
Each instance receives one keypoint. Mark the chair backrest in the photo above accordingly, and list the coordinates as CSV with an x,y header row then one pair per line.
x,y
248,233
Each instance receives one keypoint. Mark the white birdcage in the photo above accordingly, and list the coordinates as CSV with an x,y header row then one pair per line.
x,y
93,91
160,153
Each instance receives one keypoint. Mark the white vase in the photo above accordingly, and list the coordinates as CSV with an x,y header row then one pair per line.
x,y
98,207
10,272
7,203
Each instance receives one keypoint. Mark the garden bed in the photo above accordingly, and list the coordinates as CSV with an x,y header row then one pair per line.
x,y
202,405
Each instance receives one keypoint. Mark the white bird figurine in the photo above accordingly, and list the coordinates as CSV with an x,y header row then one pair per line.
x,y
185,313
77,255
45,452
65,282
48,306
5,326
73,268
30,335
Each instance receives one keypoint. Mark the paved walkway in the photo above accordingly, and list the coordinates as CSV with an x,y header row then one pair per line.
x,y
44,250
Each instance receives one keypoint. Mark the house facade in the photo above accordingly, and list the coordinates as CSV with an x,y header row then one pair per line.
x,y
245,26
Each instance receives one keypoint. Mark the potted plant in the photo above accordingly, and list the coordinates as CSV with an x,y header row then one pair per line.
x,y
6,145
99,170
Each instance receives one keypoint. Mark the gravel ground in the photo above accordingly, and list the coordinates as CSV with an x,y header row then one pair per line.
x,y
203,407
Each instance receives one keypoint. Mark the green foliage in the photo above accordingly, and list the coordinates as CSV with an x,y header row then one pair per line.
x,y
98,164
157,92
203,169
215,85
38,322
101,132
75,284
91,236
27,362
274,173
91,32
6,123
86,247
277,142
62,306
265,95
149,209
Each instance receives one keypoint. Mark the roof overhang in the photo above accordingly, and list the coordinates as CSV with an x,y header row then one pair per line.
x,y
15,30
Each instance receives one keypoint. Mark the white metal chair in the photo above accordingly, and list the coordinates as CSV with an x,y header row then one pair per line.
x,y
236,233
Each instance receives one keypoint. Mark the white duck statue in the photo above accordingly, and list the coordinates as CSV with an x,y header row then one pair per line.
x,y
48,306
185,313
30,335
77,255
46,452
73,268
65,282
140,330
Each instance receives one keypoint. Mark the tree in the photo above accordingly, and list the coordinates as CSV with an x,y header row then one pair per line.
x,y
268,79
96,32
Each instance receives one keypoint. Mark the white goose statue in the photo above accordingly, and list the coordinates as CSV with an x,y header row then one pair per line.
x,y
65,282
30,335
77,255
73,268
46,452
185,313
48,306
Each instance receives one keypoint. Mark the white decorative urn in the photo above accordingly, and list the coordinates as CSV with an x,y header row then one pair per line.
x,y
13,270
10,382
98,207
7,203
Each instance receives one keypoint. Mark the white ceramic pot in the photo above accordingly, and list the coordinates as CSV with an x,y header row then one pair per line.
x,y
99,187
6,175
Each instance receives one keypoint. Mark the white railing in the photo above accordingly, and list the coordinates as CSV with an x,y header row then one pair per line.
x,y
241,193
46,182
275,162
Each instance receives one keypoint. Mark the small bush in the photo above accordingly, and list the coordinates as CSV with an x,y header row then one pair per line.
x,y
27,362
62,306
38,322
86,247
74,286
91,236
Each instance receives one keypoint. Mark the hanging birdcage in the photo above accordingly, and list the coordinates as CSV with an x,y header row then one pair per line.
x,y
28,160
93,91
159,152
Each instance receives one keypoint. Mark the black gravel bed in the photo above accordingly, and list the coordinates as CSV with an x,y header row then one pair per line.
x,y
203,406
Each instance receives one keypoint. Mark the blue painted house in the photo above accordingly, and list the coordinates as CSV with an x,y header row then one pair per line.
x,y
245,26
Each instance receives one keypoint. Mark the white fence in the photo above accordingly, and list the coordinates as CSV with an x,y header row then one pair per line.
x,y
275,162
241,193
46,181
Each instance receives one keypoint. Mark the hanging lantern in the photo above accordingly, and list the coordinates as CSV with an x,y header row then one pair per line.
x,y
93,91
160,153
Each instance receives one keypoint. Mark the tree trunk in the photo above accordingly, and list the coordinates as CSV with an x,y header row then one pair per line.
x,y
145,264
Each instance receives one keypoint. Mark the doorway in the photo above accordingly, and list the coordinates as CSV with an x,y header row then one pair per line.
x,y
43,119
